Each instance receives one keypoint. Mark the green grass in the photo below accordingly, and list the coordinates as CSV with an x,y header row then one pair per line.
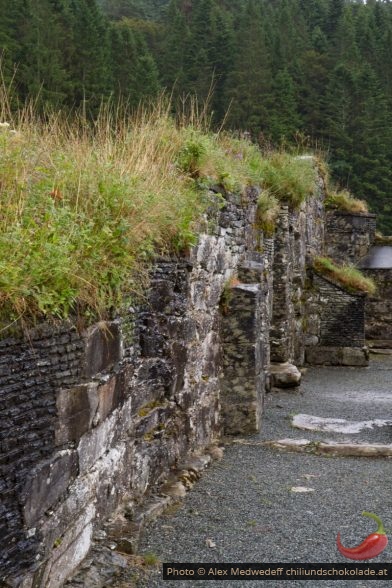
x,y
347,276
84,208
267,212
291,180
344,201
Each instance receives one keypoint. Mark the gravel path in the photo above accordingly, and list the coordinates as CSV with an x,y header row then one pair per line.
x,y
245,505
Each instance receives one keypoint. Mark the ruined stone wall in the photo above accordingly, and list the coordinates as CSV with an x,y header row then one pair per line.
x,y
348,237
335,324
379,307
90,420
299,238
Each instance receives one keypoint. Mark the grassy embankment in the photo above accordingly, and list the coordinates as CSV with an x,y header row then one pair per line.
x,y
85,207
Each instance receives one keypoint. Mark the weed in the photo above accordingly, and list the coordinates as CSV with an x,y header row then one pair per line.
x,y
149,407
267,212
383,239
150,559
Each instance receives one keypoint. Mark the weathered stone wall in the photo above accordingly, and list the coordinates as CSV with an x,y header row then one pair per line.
x,y
245,344
335,324
379,307
90,420
348,237
299,238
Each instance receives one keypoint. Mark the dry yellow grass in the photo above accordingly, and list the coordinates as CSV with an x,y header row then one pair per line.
x,y
86,205
348,276
344,201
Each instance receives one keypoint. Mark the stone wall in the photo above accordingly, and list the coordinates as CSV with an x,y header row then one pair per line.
x,y
299,238
335,324
245,345
90,420
348,237
379,308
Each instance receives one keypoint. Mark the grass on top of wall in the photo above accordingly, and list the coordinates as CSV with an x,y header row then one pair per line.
x,y
85,207
348,276
344,201
383,239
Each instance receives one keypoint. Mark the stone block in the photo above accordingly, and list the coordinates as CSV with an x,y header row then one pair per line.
x,y
251,272
242,419
65,565
47,484
285,375
355,356
322,355
347,356
76,408
109,396
95,443
103,348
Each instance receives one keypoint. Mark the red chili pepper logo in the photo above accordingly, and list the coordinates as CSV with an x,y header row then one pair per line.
x,y
372,546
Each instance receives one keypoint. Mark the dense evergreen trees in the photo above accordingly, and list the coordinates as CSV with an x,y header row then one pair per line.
x,y
322,68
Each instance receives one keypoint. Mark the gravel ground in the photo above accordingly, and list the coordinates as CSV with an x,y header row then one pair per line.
x,y
244,503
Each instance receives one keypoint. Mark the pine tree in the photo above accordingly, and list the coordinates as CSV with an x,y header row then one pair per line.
x,y
372,142
284,118
339,103
199,67
43,70
90,68
135,75
249,85
174,47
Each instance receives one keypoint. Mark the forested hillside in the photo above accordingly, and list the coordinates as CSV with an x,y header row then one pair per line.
x,y
285,70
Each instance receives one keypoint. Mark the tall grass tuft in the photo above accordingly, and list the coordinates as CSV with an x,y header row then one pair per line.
x,y
348,276
344,201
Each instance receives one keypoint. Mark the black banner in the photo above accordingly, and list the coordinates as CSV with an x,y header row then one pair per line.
x,y
276,571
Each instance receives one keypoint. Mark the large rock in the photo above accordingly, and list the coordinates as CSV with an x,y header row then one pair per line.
x,y
285,375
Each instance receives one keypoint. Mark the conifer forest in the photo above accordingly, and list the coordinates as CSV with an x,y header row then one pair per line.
x,y
314,74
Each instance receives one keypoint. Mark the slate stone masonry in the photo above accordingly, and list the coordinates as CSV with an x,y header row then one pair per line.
x,y
90,421
349,236
379,307
336,329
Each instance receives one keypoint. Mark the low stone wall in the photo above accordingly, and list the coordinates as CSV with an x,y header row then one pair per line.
x,y
335,324
348,237
379,307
